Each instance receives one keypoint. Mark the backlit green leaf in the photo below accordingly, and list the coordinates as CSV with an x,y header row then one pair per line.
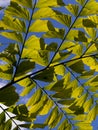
x,y
10,94
24,3
2,118
17,25
73,9
51,3
16,10
13,36
41,26
8,125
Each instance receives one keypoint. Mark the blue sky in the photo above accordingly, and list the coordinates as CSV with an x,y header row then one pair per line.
x,y
5,3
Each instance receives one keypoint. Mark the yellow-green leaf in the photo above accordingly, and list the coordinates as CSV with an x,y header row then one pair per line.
x,y
14,24
41,26
92,114
73,9
46,108
35,43
13,36
18,11
50,3
24,3
7,94
35,98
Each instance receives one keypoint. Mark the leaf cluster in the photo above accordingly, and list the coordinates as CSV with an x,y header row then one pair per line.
x,y
50,59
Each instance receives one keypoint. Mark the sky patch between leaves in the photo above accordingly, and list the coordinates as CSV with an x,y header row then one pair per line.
x,y
4,2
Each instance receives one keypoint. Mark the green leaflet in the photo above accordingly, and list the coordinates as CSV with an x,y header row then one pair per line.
x,y
81,2
89,22
6,71
73,9
56,86
56,121
35,125
17,25
36,108
8,125
8,55
84,125
46,108
80,101
77,92
90,8
91,62
44,13
27,89
20,109
59,85
13,36
87,105
74,66
28,85
2,118
87,74
92,114
46,75
53,14
92,83
52,46
25,67
51,3
22,113
77,105
35,43
61,56
13,49
63,95
66,102
57,33
77,35
40,57
91,32
10,94
65,125
80,117
41,26
52,117
18,11
24,3
60,70
93,48
35,98
35,50
68,45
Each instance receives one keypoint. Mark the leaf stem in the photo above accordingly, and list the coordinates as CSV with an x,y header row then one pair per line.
x,y
34,73
49,96
11,118
26,35
67,32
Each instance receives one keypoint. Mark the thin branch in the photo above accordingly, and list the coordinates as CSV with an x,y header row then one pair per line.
x,y
26,35
10,117
89,46
68,32
34,73
56,104
79,82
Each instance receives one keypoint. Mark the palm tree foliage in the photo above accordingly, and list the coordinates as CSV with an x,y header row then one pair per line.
x,y
50,59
